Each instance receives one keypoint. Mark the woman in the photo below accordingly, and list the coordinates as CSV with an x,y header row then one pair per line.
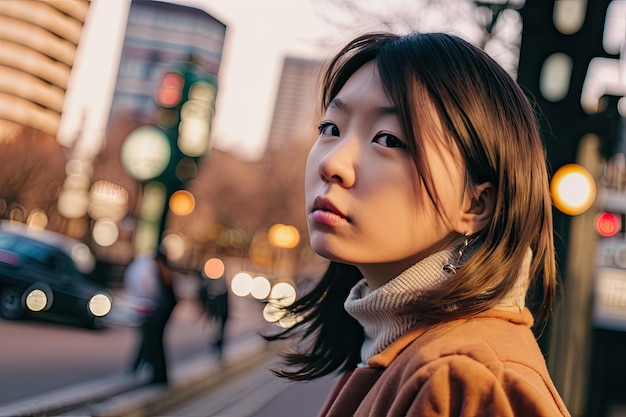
x,y
428,192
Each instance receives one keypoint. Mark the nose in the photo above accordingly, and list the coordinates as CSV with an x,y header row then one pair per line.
x,y
340,163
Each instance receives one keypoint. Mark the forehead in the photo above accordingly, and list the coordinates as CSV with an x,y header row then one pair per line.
x,y
364,87
363,92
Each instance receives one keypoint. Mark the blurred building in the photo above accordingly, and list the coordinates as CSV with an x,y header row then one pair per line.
x,y
157,34
38,41
296,107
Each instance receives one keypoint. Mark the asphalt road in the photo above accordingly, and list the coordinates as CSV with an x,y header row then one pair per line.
x,y
259,393
37,357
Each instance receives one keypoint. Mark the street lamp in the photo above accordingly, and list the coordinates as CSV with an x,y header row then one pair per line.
x,y
146,153
284,236
573,189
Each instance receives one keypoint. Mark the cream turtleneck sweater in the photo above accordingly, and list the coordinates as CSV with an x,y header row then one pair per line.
x,y
378,311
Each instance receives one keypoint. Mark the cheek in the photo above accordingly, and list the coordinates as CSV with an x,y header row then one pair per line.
x,y
311,169
312,179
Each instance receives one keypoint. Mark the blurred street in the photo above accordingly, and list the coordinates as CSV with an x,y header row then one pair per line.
x,y
38,357
260,394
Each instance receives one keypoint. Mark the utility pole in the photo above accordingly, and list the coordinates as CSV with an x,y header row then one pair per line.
x,y
557,48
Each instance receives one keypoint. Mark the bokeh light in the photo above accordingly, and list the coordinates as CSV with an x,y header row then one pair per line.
x,y
37,219
283,293
241,284
36,300
214,268
174,245
182,203
73,200
573,189
82,256
100,305
283,236
145,153
608,224
289,320
151,209
17,214
261,287
107,200
105,232
272,312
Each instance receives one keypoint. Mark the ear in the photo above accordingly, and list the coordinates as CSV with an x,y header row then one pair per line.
x,y
478,208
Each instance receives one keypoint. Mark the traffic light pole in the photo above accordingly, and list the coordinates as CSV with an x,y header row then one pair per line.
x,y
178,140
570,347
565,128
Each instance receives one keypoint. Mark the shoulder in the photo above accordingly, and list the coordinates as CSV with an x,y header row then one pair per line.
x,y
478,388
489,349
483,366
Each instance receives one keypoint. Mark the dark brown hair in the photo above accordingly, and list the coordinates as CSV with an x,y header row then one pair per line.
x,y
487,117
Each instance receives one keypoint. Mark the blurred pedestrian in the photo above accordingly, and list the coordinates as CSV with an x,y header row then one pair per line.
x,y
151,349
428,192
141,285
213,297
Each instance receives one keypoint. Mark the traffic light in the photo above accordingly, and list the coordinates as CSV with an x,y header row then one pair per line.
x,y
165,155
608,224
185,99
168,97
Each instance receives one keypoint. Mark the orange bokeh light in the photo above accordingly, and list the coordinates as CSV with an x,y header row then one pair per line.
x,y
214,268
182,203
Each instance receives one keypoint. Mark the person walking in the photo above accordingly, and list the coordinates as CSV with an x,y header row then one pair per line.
x,y
213,297
428,192
151,349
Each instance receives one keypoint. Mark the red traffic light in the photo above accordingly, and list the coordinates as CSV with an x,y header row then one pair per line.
x,y
170,91
608,224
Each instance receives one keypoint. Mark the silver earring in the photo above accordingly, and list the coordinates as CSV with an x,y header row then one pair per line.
x,y
452,268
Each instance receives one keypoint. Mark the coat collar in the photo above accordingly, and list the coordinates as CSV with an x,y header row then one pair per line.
x,y
384,358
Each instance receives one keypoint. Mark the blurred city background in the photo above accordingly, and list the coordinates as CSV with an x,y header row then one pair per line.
x,y
128,125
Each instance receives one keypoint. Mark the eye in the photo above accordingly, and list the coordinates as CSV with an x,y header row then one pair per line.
x,y
389,141
328,129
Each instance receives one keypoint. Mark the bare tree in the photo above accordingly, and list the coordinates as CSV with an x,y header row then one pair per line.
x,y
32,168
493,25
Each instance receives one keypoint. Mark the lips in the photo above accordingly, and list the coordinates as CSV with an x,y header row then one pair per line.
x,y
324,211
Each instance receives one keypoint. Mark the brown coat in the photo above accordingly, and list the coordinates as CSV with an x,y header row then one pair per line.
x,y
487,365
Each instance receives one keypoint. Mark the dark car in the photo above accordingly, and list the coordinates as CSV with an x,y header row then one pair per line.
x,y
39,278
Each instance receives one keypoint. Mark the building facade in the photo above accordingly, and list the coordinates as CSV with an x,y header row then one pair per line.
x,y
296,107
157,35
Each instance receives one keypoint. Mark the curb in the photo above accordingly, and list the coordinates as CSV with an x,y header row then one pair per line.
x,y
127,395
63,400
155,400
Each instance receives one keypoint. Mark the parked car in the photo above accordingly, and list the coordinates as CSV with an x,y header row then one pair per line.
x,y
39,278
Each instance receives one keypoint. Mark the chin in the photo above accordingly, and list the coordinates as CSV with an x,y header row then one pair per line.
x,y
326,250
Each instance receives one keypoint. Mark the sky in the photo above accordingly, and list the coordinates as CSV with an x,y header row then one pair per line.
x,y
259,34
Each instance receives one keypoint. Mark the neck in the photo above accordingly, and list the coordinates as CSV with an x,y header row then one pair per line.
x,y
381,311
378,274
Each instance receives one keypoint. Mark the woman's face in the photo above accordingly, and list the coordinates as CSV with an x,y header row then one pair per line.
x,y
364,201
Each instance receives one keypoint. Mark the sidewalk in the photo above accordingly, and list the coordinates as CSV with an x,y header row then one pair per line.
x,y
128,395
125,394
189,381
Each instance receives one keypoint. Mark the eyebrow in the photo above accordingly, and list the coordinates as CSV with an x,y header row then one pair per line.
x,y
338,104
